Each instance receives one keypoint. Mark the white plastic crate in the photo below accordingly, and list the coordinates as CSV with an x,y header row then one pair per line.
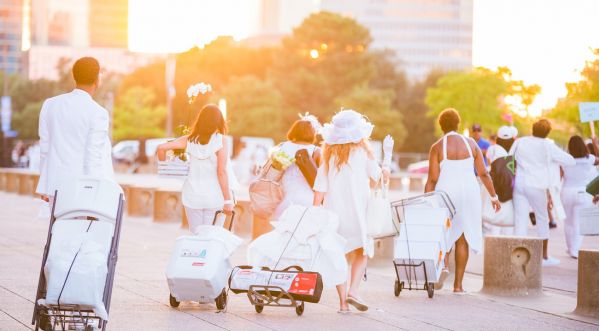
x,y
425,233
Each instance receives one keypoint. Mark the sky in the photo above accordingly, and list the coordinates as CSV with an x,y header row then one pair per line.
x,y
544,42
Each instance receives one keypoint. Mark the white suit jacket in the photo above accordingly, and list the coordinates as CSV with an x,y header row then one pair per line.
x,y
74,140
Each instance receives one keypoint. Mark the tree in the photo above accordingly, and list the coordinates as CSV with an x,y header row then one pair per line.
x,y
377,106
586,90
25,121
136,116
479,96
324,58
254,108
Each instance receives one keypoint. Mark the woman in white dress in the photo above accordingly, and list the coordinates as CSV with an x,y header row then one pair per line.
x,y
343,182
452,163
206,188
296,189
574,195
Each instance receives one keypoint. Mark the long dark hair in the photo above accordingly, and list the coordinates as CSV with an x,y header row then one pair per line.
x,y
209,121
577,148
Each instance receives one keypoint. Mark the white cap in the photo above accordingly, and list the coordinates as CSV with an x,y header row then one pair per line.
x,y
347,126
507,132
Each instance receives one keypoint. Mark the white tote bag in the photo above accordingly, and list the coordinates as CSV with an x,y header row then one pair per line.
x,y
504,217
379,219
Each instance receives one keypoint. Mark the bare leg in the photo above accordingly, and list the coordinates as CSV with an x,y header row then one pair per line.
x,y
342,291
545,249
358,267
461,258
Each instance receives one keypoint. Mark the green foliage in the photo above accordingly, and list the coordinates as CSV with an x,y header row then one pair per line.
x,y
312,84
479,96
253,108
136,116
377,106
26,121
566,112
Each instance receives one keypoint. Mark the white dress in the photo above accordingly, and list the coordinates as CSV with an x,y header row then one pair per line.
x,y
458,180
201,194
346,193
296,189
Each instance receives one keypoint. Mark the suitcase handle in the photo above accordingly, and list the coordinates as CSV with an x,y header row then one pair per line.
x,y
222,212
296,267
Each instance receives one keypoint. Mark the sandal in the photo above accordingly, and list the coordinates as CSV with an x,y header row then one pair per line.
x,y
361,306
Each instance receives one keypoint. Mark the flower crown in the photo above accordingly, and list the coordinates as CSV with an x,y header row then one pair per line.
x,y
312,119
194,90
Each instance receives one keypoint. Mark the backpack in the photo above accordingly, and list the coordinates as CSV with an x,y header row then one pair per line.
x,y
503,172
266,192
308,165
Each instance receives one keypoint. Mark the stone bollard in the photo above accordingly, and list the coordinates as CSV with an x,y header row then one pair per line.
x,y
141,201
12,182
395,182
167,206
3,178
383,249
587,303
27,183
512,266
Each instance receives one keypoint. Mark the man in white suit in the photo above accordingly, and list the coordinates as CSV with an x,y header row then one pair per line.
x,y
73,132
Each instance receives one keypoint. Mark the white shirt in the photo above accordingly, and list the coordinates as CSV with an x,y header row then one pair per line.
x,y
533,161
494,152
74,142
580,174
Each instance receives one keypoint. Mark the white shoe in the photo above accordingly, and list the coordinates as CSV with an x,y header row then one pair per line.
x,y
550,261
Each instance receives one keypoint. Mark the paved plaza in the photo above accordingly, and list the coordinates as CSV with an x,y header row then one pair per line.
x,y
140,296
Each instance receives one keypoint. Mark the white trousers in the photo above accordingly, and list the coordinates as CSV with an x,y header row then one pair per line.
x,y
197,217
573,199
525,198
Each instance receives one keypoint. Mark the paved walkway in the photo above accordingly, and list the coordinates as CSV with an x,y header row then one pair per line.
x,y
140,296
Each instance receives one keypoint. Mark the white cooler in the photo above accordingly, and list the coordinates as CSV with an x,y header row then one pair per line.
x,y
425,233
429,216
198,269
415,252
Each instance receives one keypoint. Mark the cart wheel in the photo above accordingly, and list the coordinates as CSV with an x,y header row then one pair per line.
x,y
43,320
221,300
398,287
259,308
431,290
299,309
173,301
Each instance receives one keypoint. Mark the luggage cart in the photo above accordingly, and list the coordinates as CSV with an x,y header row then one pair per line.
x,y
261,296
409,266
221,299
85,201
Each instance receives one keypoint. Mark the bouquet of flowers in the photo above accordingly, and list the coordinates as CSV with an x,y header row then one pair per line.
x,y
281,161
200,88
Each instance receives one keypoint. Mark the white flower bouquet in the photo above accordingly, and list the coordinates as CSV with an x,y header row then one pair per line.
x,y
281,161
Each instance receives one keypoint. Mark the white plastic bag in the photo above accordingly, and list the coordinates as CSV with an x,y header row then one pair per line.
x,y
379,220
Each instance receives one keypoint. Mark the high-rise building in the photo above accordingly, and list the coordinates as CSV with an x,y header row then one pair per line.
x,y
279,17
11,30
425,34
108,23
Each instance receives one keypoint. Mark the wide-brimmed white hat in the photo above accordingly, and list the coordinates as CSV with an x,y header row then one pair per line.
x,y
347,126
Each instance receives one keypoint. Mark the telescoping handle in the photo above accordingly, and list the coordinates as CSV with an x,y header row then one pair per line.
x,y
222,212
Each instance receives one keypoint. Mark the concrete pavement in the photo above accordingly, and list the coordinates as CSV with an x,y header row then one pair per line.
x,y
140,295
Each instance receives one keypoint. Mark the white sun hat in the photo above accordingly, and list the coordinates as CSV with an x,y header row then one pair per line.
x,y
347,126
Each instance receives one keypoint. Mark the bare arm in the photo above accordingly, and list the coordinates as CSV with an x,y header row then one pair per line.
x,y
179,143
434,169
222,157
483,174
595,143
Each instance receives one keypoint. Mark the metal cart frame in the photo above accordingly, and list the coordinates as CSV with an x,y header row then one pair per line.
x,y
409,267
60,317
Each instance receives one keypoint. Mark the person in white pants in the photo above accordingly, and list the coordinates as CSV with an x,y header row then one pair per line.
x,y
574,196
534,155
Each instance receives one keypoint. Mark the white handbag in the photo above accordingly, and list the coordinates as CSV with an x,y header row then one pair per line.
x,y
379,219
504,217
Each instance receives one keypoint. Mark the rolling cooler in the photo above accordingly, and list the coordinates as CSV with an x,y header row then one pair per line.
x,y
423,240
79,259
199,265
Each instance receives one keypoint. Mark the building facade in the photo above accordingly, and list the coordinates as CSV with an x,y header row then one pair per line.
x,y
11,31
425,34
